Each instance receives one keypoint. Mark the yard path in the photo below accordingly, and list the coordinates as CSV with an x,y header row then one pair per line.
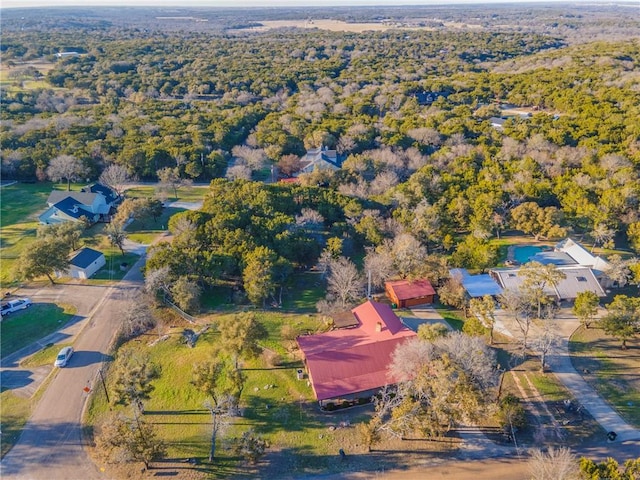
x,y
559,361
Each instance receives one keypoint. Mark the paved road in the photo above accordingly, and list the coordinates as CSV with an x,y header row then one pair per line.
x,y
50,446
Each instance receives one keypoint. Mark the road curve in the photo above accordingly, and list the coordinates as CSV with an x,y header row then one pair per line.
x,y
50,446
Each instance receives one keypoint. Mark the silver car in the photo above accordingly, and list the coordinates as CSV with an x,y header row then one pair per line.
x,y
63,357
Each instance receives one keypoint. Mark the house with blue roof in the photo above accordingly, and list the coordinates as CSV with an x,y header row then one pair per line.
x,y
476,285
95,203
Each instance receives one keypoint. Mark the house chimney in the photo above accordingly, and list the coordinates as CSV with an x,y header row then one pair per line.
x,y
378,327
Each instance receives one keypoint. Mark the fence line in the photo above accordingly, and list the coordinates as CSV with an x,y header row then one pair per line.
x,y
180,312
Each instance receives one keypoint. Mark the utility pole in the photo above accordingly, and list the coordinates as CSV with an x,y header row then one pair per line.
x,y
369,283
104,385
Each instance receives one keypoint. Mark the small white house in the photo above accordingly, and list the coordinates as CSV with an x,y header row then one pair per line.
x,y
85,263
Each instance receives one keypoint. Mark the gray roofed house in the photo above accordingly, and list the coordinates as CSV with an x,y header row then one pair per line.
x,y
578,279
320,159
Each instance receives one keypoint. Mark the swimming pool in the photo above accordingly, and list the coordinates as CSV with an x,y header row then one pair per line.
x,y
522,254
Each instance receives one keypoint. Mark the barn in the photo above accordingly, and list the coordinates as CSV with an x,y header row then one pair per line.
x,y
409,293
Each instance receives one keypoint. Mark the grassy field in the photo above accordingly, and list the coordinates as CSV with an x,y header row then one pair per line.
x,y
26,326
613,372
185,194
455,318
176,407
20,206
12,80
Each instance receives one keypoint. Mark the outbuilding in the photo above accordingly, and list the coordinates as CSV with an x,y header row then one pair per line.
x,y
406,293
85,263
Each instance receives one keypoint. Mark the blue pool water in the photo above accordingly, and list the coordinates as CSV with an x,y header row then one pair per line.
x,y
523,253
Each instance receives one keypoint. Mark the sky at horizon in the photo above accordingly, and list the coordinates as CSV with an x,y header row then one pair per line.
x,y
255,3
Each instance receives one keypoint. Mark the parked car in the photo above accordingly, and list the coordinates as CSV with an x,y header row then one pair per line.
x,y
63,357
15,305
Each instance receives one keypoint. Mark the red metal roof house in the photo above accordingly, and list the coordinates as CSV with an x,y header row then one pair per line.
x,y
351,363
405,293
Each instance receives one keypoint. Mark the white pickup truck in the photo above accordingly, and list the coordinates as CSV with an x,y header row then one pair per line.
x,y
15,305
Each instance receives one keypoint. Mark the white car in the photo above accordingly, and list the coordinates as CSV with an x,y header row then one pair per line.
x,y
15,305
63,357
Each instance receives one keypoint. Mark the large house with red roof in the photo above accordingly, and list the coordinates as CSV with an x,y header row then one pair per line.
x,y
354,362
409,293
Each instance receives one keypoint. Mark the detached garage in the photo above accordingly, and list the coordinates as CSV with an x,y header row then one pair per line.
x,y
405,293
85,263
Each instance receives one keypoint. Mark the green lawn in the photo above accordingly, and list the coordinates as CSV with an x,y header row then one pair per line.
x,y
185,194
150,225
21,203
14,415
114,259
26,326
303,291
454,318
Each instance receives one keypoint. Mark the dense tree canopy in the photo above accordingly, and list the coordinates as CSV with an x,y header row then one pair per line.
x,y
409,112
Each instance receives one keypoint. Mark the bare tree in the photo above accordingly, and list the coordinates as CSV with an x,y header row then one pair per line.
x,y
344,281
222,383
123,439
618,270
66,167
254,158
544,344
475,358
137,316
602,235
425,136
556,464
170,179
514,302
408,254
290,164
116,235
156,282
378,267
115,177
410,358
238,172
